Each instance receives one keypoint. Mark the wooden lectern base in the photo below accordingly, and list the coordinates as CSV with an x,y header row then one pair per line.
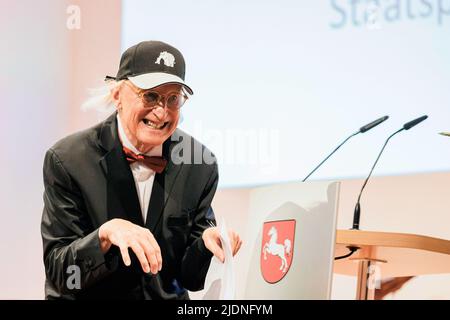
x,y
386,254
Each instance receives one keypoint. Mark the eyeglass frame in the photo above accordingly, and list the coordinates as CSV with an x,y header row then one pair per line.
x,y
140,93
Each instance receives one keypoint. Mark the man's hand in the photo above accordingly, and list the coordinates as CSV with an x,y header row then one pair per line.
x,y
211,238
125,234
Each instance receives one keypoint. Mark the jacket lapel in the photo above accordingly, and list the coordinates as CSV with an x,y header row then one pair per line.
x,y
163,184
122,198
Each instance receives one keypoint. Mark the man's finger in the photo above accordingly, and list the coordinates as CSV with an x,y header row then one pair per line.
x,y
214,247
238,246
153,263
140,254
150,253
157,249
234,240
124,252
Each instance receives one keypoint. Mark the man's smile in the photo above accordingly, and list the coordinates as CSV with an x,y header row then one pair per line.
x,y
154,125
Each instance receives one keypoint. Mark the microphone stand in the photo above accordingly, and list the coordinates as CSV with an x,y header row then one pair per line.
x,y
357,213
354,134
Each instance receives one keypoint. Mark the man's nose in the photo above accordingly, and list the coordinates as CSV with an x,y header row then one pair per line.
x,y
160,111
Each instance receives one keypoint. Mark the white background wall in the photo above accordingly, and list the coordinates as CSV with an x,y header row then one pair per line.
x,y
35,63
46,69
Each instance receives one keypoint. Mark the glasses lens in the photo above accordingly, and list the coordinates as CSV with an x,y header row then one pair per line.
x,y
151,98
176,101
173,100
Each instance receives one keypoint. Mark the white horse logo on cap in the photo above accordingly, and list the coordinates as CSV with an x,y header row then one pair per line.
x,y
168,58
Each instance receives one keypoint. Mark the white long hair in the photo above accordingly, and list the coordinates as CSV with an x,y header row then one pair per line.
x,y
100,98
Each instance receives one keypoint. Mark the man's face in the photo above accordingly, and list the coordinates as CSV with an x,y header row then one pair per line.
x,y
144,126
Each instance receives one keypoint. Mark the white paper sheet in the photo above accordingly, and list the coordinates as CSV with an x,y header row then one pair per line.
x,y
220,280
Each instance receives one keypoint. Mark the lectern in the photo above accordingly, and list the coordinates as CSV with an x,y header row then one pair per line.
x,y
292,243
386,254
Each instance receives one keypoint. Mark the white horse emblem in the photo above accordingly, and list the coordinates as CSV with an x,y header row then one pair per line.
x,y
168,58
277,249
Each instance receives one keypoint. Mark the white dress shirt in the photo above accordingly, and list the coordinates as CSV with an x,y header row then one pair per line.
x,y
143,175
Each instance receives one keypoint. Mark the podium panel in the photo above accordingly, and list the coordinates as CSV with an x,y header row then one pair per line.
x,y
294,228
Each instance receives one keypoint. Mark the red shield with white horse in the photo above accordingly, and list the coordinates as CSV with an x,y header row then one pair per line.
x,y
277,249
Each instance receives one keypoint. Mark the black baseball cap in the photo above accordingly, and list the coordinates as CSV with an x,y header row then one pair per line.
x,y
149,64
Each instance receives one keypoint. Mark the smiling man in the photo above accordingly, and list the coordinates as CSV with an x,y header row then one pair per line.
x,y
123,216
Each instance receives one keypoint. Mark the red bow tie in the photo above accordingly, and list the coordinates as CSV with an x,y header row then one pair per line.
x,y
155,163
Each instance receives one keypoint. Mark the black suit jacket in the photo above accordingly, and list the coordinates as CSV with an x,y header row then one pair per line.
x,y
88,182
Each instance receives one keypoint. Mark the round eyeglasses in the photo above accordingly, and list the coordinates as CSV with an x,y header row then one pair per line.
x,y
174,100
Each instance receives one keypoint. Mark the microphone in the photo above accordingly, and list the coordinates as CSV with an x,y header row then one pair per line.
x,y
414,122
373,124
406,126
363,129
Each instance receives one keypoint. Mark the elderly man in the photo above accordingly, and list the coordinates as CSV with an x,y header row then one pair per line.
x,y
127,211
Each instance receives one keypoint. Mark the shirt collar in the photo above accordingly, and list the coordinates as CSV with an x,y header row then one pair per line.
x,y
155,151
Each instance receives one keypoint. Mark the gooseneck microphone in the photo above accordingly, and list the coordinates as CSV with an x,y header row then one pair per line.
x,y
406,126
363,129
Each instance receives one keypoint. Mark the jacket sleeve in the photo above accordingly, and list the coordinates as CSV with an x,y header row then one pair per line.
x,y
197,257
72,256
